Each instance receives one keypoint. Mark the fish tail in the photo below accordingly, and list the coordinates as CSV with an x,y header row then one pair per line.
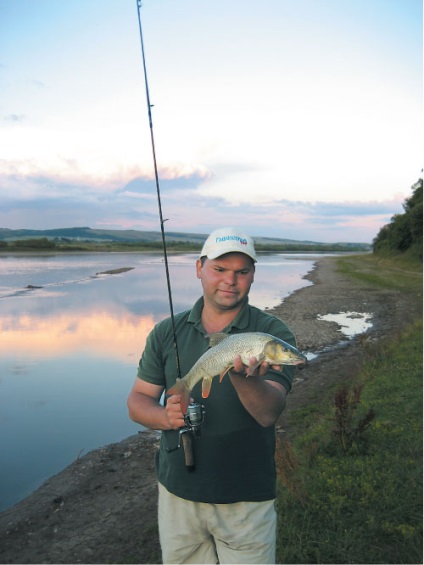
x,y
182,390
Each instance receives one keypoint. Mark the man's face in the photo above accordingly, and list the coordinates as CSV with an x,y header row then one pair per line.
x,y
226,280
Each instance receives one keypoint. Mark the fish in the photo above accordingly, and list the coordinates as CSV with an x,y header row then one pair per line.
x,y
219,359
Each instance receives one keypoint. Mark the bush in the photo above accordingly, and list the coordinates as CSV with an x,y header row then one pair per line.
x,y
35,243
405,231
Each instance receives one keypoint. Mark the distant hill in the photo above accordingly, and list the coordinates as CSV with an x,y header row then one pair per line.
x,y
134,236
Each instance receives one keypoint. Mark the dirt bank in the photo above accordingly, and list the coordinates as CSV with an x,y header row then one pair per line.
x,y
102,508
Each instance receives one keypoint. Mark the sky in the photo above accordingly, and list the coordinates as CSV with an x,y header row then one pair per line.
x,y
298,119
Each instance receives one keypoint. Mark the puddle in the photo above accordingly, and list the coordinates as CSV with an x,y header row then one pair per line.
x,y
310,356
351,323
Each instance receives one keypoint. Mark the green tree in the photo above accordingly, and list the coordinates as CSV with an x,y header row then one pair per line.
x,y
405,231
34,243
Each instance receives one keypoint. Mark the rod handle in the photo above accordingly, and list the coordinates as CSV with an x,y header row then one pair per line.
x,y
187,439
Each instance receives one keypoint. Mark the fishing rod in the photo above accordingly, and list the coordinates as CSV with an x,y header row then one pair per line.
x,y
195,412
162,221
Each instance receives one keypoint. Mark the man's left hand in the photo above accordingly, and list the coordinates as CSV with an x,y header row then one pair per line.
x,y
253,369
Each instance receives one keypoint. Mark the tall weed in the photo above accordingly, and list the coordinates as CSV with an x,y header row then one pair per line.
x,y
349,425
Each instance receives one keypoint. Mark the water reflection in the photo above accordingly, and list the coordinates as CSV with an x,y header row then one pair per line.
x,y
96,332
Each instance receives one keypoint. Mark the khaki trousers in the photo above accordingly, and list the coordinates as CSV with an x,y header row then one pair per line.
x,y
199,532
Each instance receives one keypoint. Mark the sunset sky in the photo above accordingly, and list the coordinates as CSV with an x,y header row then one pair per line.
x,y
300,119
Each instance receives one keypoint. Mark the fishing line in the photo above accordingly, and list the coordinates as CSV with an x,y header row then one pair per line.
x,y
162,221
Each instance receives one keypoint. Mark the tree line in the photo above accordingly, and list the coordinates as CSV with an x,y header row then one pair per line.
x,y
65,244
404,233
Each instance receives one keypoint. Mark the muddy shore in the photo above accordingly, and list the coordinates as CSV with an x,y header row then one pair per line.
x,y
102,508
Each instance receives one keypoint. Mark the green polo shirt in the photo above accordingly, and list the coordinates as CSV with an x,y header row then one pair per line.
x,y
234,456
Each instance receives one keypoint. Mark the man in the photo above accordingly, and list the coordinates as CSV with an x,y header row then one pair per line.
x,y
224,511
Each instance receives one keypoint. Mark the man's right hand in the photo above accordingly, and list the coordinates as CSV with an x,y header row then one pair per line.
x,y
173,412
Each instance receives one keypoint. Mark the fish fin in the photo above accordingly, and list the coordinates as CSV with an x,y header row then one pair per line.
x,y
254,367
180,389
206,386
216,338
224,372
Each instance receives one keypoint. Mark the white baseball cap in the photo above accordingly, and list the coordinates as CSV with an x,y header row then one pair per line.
x,y
228,240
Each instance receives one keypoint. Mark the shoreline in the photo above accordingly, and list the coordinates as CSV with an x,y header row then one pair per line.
x,y
102,507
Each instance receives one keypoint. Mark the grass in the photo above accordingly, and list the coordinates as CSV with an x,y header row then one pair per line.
x,y
395,273
350,485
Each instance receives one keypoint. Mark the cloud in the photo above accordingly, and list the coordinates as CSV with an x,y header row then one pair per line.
x,y
342,209
32,196
14,118
171,179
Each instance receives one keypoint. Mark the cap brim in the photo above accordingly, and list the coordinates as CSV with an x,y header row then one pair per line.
x,y
225,252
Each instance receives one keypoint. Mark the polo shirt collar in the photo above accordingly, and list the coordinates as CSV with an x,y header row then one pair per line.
x,y
241,321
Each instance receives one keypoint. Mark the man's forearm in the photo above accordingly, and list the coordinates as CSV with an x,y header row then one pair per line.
x,y
264,400
146,411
